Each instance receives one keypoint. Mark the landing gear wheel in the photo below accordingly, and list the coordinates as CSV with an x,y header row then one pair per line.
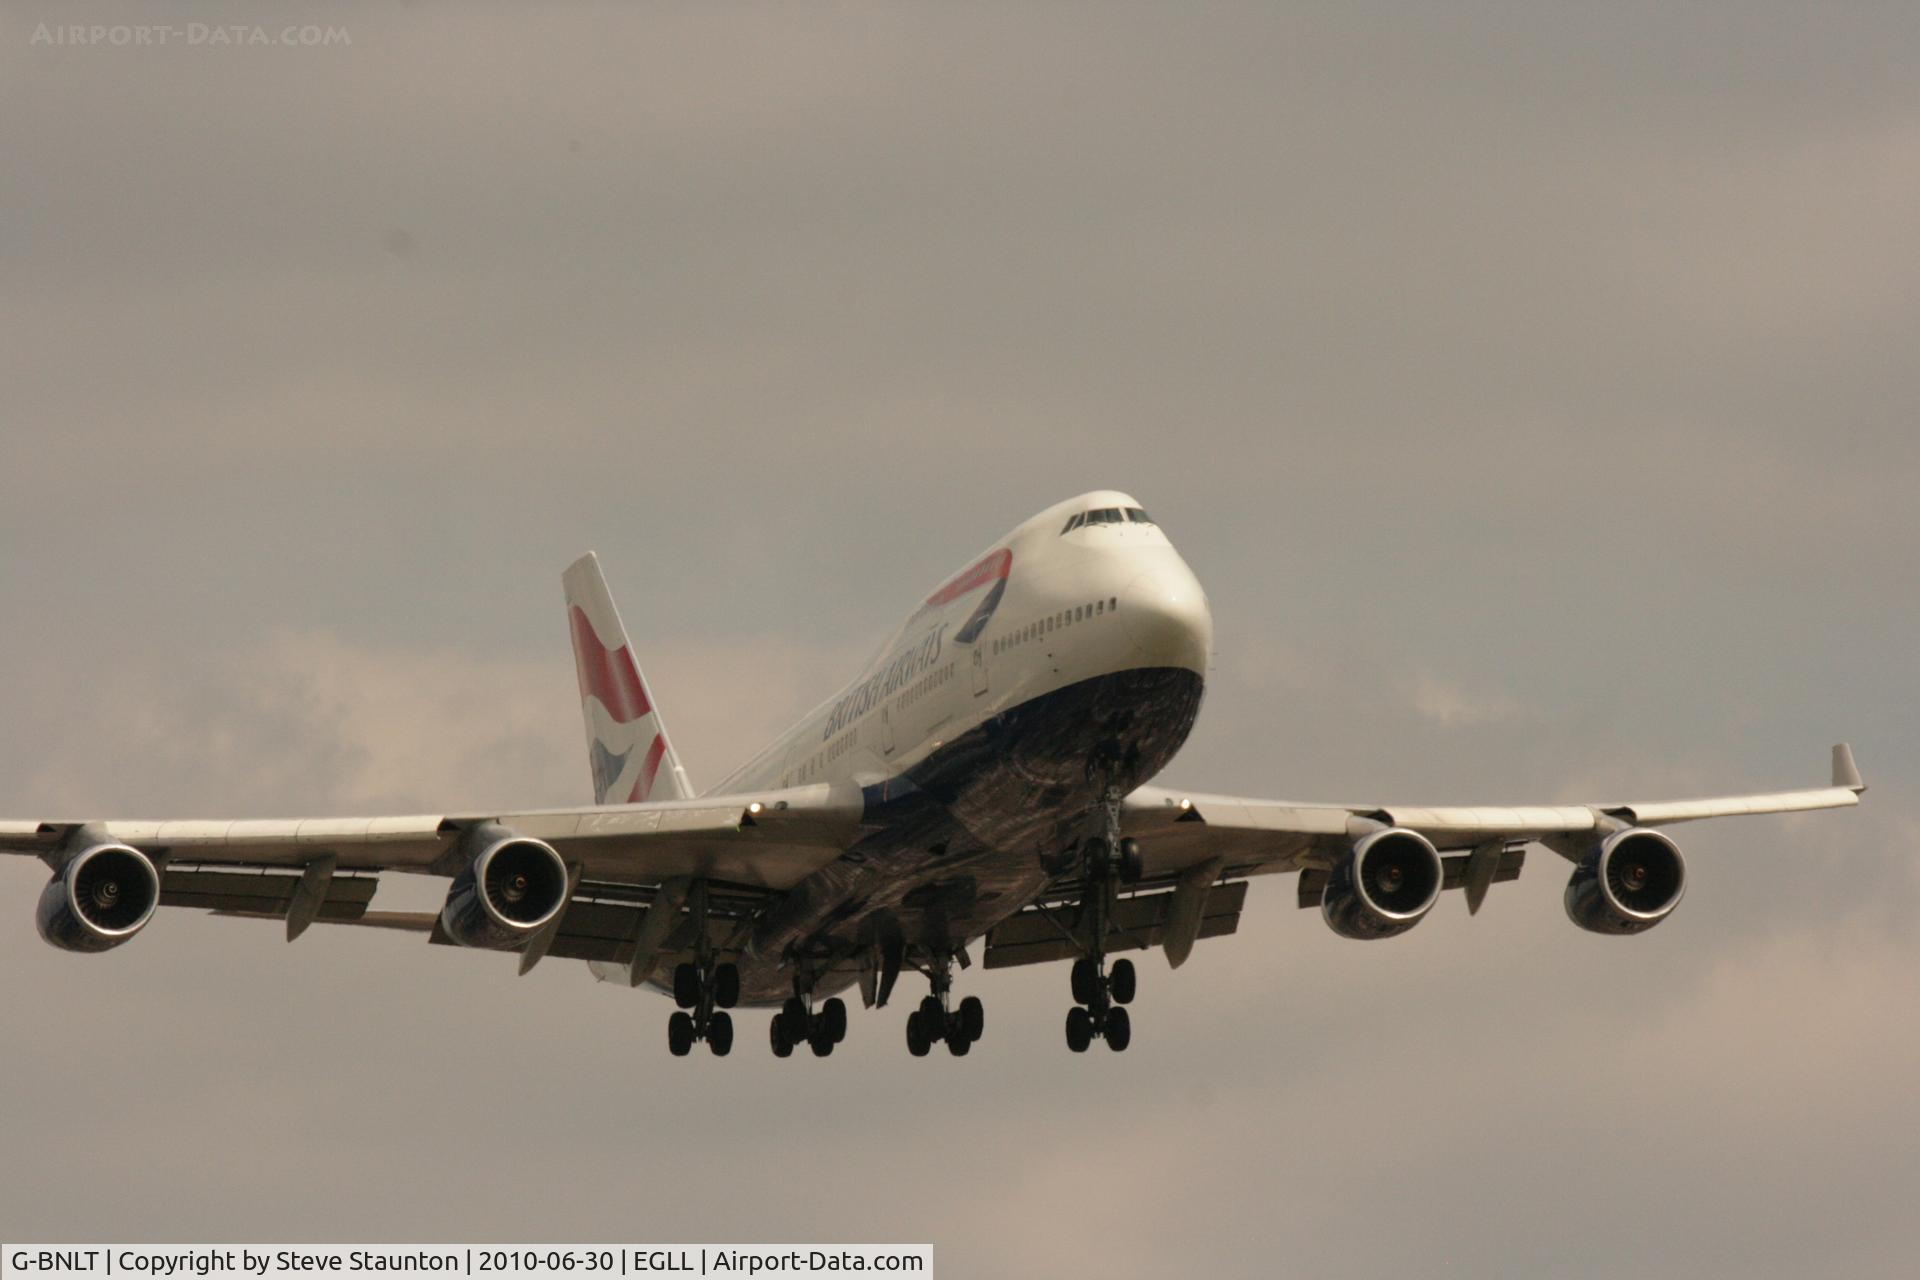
x,y
726,985
973,1017
795,1013
1121,983
918,1041
833,1014
1086,981
720,1033
1079,1029
1119,1030
933,1018
1132,865
777,1037
680,1034
957,1042
820,1042
686,986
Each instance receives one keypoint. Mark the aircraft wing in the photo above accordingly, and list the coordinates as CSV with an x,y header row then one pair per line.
x,y
1178,829
1207,845
769,840
748,848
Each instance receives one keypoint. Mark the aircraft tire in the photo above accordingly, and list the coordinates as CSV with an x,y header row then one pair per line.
x,y
680,1034
1119,1030
973,1017
686,985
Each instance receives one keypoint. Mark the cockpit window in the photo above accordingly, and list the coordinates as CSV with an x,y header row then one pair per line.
x,y
1105,515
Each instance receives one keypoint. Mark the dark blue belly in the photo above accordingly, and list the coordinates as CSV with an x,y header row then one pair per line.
x,y
975,831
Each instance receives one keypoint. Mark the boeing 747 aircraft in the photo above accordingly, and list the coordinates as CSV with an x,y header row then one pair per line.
x,y
981,788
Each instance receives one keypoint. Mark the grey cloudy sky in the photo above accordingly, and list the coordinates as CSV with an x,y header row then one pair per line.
x,y
1532,385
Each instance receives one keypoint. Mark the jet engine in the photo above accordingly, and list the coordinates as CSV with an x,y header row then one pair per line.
x,y
1630,882
103,896
507,890
1384,886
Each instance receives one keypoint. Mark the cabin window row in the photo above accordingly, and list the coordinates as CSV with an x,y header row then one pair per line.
x,y
1065,618
925,685
819,760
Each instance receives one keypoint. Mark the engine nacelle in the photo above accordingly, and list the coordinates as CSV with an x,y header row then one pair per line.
x,y
103,896
1385,886
1630,882
507,890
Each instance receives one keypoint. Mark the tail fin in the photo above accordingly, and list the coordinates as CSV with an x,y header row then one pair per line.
x,y
626,740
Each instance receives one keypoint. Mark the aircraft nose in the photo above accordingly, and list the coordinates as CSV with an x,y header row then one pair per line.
x,y
1166,616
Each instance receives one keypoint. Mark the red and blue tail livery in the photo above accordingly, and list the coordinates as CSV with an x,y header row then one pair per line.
x,y
626,742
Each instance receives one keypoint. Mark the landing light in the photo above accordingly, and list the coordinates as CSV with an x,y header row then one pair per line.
x,y
1185,803
754,807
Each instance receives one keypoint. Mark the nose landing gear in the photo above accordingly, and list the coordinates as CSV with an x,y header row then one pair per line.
x,y
1101,992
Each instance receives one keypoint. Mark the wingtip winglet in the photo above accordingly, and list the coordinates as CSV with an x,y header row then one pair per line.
x,y
1845,772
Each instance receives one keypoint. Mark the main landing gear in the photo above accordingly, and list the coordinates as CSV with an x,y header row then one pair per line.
x,y
798,1023
1100,1011
937,1019
1101,992
703,988
704,991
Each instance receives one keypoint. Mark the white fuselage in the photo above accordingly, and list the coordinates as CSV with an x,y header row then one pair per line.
x,y
1106,597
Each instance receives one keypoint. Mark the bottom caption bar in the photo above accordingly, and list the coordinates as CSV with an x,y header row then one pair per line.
x,y
486,1261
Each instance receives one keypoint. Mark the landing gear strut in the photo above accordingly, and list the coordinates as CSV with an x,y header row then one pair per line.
x,y
938,1019
704,989
798,1022
1101,992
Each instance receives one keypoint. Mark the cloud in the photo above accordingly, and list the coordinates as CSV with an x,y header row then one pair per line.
x,y
1447,704
1532,391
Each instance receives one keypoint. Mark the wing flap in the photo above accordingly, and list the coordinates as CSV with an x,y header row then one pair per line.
x,y
260,891
600,924
1042,934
